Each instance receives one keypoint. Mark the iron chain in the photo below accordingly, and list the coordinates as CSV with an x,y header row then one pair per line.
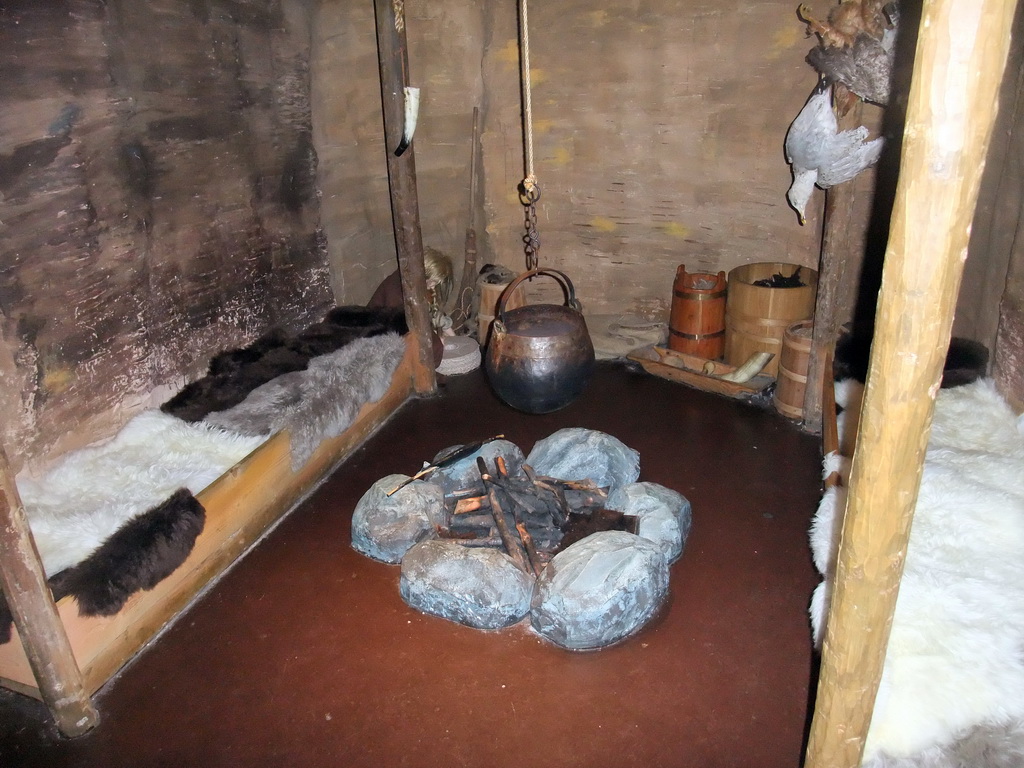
x,y
529,194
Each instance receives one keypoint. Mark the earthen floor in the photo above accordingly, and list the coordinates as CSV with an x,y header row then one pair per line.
x,y
304,655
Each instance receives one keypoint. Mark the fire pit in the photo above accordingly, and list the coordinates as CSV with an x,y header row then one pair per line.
x,y
487,537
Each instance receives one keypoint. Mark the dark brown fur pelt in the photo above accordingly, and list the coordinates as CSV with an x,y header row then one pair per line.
x,y
139,555
383,319
234,373
232,360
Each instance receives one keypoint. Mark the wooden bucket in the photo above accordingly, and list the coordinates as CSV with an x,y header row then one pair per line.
x,y
792,380
756,317
489,294
697,321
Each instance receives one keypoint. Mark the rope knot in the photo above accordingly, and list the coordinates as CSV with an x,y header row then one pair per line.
x,y
529,190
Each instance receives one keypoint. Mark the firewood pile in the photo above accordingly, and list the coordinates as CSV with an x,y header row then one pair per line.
x,y
531,517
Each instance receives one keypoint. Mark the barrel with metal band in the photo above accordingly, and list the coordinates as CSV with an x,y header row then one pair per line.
x,y
757,315
697,321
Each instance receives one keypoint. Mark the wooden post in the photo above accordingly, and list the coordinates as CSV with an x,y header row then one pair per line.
x,y
467,284
833,282
35,615
393,58
961,52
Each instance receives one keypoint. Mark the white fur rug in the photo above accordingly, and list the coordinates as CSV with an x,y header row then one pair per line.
x,y
81,501
92,492
954,668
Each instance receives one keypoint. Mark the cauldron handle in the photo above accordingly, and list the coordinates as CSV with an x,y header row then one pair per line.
x,y
563,279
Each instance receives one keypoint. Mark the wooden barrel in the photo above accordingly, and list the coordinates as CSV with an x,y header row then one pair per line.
x,y
792,379
489,294
757,316
697,321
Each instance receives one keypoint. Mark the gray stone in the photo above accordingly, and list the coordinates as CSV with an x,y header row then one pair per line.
x,y
475,586
384,527
464,472
664,515
585,454
600,590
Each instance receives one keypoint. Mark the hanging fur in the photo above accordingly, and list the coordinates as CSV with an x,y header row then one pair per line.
x,y
139,555
953,678
858,55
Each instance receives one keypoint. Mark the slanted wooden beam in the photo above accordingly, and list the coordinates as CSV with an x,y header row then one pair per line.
x,y
393,58
961,52
35,615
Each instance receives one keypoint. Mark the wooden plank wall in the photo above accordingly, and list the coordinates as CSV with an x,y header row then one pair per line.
x,y
658,131
160,167
658,140
158,200
446,47
994,233
996,259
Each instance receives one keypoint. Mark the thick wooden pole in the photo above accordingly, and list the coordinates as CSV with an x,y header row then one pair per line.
x,y
393,58
961,52
35,615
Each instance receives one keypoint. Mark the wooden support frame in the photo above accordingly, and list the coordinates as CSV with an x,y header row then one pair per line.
x,y
62,657
961,53
393,59
240,506
47,650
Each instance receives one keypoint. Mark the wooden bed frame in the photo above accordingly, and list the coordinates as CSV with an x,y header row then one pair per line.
x,y
61,657
240,506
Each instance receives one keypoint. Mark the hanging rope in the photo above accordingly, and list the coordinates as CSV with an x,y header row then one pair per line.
x,y
529,189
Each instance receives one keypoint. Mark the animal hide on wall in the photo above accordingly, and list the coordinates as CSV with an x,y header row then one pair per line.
x,y
954,669
321,401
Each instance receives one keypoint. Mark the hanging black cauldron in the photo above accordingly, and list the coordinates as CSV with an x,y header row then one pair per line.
x,y
539,357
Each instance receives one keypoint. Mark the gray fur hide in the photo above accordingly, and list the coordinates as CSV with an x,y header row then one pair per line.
x,y
321,401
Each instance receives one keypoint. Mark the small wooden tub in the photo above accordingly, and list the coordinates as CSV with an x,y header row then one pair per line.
x,y
756,316
791,383
489,294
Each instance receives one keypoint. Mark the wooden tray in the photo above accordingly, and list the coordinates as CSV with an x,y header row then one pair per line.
x,y
690,370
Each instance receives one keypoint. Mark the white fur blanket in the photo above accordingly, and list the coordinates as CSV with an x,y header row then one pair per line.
x,y
955,660
90,493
